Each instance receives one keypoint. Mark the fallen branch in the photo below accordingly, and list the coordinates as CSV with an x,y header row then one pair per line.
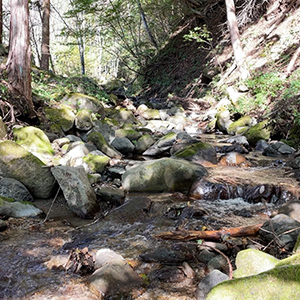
x,y
187,235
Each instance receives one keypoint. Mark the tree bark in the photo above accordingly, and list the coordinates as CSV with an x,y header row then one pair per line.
x,y
214,235
238,52
45,36
1,22
151,37
18,66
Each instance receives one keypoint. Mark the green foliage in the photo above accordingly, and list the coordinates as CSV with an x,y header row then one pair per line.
x,y
200,35
48,87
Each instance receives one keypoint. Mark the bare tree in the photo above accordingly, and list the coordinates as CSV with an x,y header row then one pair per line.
x,y
19,57
239,55
45,36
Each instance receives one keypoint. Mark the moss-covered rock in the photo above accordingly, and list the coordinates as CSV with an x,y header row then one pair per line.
x,y
243,122
148,113
259,131
96,163
18,163
165,174
99,141
62,118
34,140
131,134
251,262
83,120
144,142
278,283
81,101
198,152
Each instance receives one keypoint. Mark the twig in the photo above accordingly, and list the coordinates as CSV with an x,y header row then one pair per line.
x,y
51,206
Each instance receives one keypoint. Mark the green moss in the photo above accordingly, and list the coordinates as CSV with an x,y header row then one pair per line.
x,y
7,199
278,283
62,117
260,131
96,163
33,138
97,139
191,150
241,122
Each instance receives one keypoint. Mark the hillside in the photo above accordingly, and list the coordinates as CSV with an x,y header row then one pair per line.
x,y
184,70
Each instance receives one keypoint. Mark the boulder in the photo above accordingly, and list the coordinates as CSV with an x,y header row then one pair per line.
x,y
18,163
80,101
278,283
243,122
198,152
35,141
61,118
96,163
77,190
123,145
251,262
258,132
165,174
143,143
12,188
223,120
162,145
83,120
99,141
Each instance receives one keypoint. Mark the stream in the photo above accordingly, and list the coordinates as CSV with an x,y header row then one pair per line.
x,y
34,252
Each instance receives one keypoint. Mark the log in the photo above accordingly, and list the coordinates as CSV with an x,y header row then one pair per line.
x,y
215,235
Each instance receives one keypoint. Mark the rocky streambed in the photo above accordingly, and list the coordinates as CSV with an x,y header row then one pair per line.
x,y
116,191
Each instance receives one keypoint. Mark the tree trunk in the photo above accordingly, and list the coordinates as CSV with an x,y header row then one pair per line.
x,y
151,37
1,22
45,36
81,54
238,52
19,58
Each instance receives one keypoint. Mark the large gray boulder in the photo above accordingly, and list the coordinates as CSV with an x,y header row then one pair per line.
x,y
12,188
20,164
80,196
165,174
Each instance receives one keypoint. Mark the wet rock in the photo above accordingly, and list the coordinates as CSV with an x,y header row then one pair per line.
x,y
164,174
168,256
261,145
114,196
278,148
234,159
232,148
206,255
251,262
282,282
12,188
218,263
113,276
169,274
77,190
8,208
207,283
18,163
135,209
280,229
123,145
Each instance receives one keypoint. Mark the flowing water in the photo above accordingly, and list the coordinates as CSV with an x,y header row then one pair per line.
x,y
34,253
